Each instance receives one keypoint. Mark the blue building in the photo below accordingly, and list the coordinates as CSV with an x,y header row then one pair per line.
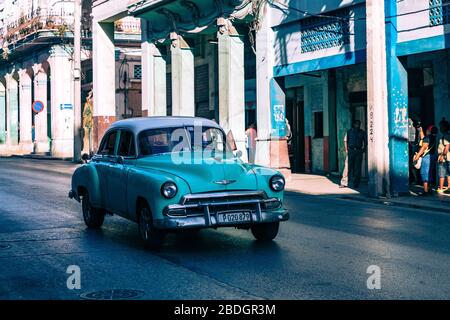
x,y
320,71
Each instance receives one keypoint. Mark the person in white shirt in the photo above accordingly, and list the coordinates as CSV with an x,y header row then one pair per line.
x,y
344,179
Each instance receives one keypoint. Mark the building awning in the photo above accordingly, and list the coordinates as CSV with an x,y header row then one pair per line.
x,y
165,16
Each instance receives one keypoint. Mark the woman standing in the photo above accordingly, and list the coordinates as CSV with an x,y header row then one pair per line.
x,y
428,154
443,162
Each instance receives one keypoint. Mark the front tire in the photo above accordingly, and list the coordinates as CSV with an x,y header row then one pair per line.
x,y
265,231
93,218
152,237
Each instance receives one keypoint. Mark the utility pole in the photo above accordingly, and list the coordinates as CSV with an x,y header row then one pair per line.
x,y
76,73
377,100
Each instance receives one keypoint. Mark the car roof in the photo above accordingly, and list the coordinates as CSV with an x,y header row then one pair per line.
x,y
139,124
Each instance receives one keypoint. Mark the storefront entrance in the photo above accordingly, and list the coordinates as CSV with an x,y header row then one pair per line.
x,y
295,115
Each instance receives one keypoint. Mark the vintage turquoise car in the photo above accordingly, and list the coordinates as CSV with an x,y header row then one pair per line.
x,y
173,173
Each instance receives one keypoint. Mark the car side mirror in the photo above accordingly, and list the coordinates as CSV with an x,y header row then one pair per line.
x,y
238,154
85,157
120,160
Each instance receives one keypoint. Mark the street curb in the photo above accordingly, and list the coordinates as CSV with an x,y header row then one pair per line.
x,y
39,157
389,202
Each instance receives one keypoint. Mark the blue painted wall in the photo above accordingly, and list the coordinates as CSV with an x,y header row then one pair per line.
x,y
397,84
2,114
277,109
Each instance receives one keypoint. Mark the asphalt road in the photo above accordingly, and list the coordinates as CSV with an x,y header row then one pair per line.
x,y
323,252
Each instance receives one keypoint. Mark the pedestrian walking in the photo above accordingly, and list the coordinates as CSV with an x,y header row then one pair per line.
x,y
356,145
415,136
425,159
344,179
250,134
443,161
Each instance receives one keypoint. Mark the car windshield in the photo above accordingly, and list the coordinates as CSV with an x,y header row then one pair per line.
x,y
189,138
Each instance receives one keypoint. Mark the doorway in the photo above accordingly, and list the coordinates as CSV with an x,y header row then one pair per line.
x,y
358,107
295,115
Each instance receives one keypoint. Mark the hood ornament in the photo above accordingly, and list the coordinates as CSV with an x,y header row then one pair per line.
x,y
224,182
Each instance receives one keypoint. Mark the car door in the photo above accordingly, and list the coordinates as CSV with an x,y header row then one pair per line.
x,y
102,161
118,172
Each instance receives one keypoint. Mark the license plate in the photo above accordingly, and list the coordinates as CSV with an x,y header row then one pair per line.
x,y
233,217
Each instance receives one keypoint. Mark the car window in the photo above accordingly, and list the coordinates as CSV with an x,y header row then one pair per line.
x,y
211,139
126,144
165,140
108,143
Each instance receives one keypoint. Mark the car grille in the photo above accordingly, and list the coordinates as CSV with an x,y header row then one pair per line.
x,y
234,201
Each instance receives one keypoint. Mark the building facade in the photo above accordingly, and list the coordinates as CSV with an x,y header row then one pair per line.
x,y
36,67
321,72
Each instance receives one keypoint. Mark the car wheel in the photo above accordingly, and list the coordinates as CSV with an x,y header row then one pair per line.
x,y
265,231
153,238
93,217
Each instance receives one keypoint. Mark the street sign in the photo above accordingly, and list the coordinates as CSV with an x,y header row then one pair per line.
x,y
37,106
65,106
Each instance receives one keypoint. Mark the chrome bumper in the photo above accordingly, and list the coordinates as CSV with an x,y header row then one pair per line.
x,y
203,213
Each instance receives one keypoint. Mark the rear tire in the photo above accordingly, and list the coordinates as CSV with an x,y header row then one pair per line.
x,y
93,218
152,237
265,231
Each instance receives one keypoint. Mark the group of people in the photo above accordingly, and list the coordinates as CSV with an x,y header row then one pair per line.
x,y
430,156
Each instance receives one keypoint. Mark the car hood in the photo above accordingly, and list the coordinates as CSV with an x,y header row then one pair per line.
x,y
204,173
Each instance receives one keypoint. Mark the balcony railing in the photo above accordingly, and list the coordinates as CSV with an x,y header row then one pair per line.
x,y
35,21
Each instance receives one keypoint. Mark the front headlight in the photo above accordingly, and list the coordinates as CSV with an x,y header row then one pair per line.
x,y
277,183
169,190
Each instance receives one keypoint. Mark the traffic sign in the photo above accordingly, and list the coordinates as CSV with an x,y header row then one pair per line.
x,y
37,106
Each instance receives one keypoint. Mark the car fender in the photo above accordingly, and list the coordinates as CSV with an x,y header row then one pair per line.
x,y
86,177
263,175
145,183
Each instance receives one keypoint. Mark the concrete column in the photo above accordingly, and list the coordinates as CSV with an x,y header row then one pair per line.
x,y
231,82
61,84
377,119
397,84
2,113
271,145
159,84
103,64
40,119
153,81
183,100
12,110
326,122
25,110
147,70
441,75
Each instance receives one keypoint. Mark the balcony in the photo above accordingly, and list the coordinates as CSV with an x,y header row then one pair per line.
x,y
36,21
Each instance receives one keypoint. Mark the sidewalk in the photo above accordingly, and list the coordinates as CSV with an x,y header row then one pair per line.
x,y
329,186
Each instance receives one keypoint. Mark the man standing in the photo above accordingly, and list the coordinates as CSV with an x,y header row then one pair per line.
x,y
250,135
356,145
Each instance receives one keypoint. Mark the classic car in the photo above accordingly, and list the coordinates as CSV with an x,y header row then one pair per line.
x,y
177,173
